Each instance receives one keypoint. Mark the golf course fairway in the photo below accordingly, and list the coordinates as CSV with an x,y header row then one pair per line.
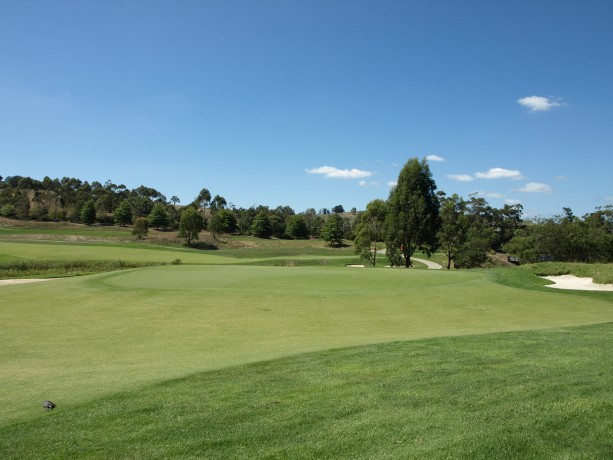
x,y
79,339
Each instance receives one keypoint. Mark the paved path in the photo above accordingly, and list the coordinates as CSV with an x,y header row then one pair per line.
x,y
428,263
431,265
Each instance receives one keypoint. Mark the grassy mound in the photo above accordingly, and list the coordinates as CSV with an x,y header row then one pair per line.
x,y
529,395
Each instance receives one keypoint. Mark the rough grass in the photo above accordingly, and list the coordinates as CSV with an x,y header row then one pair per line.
x,y
49,269
529,395
601,273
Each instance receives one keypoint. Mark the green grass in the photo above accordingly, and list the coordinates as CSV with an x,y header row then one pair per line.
x,y
175,360
524,395
58,269
81,338
601,273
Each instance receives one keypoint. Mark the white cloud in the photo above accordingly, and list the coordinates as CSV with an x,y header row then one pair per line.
x,y
535,187
362,183
512,201
330,171
461,177
487,194
561,177
538,103
434,158
392,183
500,173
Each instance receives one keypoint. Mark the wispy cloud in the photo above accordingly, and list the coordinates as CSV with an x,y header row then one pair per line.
x,y
538,103
487,194
372,183
461,177
561,177
434,158
336,173
500,173
511,201
535,187
392,183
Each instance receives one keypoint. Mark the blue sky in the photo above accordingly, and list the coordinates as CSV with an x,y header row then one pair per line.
x,y
313,103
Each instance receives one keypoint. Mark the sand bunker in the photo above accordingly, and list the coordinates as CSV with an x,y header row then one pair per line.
x,y
576,283
30,280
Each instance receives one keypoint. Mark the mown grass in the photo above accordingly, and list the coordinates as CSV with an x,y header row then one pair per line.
x,y
82,338
525,395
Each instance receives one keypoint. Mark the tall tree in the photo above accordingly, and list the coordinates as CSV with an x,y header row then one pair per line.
x,y
88,213
261,225
370,230
412,219
222,221
203,199
123,213
190,225
333,230
297,227
454,226
159,218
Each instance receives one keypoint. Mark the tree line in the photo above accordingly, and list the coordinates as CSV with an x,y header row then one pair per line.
x,y
73,200
414,218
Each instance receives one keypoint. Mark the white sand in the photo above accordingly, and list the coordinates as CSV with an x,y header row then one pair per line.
x,y
30,280
576,283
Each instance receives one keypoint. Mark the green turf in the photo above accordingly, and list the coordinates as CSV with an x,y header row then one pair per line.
x,y
80,338
522,395
109,348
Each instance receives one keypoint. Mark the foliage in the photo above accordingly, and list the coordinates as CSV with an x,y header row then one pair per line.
x,y
88,213
261,225
566,238
370,230
297,227
159,218
454,226
473,251
191,224
333,230
222,221
141,227
123,214
412,218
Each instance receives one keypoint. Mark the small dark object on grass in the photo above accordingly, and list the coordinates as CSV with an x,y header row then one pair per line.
x,y
48,405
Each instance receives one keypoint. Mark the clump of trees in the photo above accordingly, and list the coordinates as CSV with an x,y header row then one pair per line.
x,y
566,238
417,218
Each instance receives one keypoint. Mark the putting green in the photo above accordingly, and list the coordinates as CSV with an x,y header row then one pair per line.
x,y
76,339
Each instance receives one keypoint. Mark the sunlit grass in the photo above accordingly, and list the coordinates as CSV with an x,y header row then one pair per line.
x,y
528,395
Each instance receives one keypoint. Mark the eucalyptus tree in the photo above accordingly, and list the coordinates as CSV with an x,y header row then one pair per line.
x,y
413,214
454,225
190,225
222,221
370,231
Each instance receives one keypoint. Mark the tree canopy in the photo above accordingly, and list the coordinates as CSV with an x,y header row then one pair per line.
x,y
412,219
